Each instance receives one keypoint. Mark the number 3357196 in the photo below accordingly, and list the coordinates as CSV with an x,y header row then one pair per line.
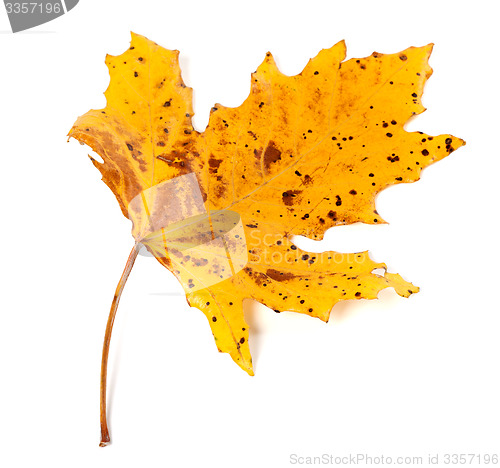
x,y
26,8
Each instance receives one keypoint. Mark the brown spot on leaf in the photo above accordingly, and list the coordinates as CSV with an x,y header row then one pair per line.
x,y
271,155
289,196
214,164
279,275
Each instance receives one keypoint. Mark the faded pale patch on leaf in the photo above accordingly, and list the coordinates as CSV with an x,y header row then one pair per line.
x,y
301,154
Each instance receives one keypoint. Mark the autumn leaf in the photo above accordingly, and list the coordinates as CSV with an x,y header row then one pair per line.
x,y
300,155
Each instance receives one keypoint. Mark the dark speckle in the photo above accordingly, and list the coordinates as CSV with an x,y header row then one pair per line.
x,y
130,147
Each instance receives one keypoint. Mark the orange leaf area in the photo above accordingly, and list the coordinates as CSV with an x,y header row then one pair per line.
x,y
300,155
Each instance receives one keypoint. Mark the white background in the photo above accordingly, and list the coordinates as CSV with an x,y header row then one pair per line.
x,y
389,377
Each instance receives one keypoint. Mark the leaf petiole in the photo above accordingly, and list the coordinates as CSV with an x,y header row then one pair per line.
x,y
105,440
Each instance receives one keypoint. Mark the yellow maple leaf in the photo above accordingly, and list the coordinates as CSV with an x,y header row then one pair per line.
x,y
301,154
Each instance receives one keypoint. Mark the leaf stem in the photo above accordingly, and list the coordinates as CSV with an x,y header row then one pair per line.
x,y
105,440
